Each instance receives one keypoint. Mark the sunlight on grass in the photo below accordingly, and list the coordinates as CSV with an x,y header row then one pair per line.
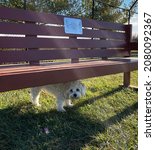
x,y
106,118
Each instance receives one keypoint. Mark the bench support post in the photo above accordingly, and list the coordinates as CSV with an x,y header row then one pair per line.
x,y
126,80
74,60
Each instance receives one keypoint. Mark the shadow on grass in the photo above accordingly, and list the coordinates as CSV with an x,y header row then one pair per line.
x,y
72,130
104,95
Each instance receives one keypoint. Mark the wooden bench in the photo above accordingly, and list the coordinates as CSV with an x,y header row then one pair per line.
x,y
30,42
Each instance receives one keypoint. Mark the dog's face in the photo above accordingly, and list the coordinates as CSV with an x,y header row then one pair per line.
x,y
76,90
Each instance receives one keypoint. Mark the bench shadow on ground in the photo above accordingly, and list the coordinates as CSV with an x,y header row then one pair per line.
x,y
71,130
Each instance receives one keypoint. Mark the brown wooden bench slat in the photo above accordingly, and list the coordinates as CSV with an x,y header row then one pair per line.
x,y
68,72
26,42
33,29
34,55
24,68
21,40
30,16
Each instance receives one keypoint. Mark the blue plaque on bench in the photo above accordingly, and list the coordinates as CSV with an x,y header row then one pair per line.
x,y
73,26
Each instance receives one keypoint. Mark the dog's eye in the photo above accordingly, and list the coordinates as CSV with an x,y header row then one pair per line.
x,y
77,90
71,90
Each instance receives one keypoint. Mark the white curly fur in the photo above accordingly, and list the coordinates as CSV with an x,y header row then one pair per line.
x,y
64,92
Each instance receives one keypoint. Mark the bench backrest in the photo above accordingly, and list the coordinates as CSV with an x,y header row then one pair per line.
x,y
25,36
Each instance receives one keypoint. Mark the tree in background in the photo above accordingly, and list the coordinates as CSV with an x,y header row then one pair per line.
x,y
12,3
106,10
53,6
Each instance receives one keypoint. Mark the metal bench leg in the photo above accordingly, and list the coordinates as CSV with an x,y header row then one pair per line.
x,y
126,79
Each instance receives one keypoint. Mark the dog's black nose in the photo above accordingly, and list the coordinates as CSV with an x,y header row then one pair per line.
x,y
75,95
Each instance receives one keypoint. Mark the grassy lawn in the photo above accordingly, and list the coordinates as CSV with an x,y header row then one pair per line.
x,y
106,118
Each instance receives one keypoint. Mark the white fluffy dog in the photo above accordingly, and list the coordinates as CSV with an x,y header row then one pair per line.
x,y
64,92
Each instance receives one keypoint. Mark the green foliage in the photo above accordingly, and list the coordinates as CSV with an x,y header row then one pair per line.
x,y
106,10
12,3
38,5
103,10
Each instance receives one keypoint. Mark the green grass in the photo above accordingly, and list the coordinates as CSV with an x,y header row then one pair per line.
x,y
106,118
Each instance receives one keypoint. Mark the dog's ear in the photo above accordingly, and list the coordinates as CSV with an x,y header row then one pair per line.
x,y
83,89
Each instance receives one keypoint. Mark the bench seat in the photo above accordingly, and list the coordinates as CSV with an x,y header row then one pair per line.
x,y
23,76
28,38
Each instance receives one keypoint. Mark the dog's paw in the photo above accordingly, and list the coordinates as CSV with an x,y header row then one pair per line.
x,y
36,104
61,110
68,103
